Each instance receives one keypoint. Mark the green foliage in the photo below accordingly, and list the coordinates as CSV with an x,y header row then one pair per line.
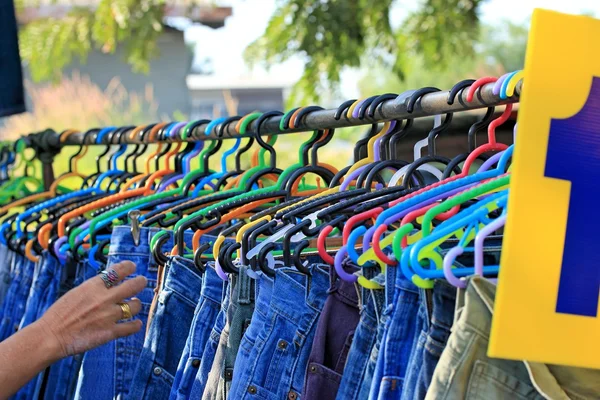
x,y
48,45
330,35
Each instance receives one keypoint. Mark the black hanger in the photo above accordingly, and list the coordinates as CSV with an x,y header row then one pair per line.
x,y
471,136
431,149
272,169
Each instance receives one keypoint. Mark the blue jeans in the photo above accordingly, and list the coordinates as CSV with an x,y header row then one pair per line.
x,y
5,264
204,319
356,379
41,296
107,371
168,331
398,342
415,361
263,293
279,356
62,376
444,300
210,349
16,298
239,315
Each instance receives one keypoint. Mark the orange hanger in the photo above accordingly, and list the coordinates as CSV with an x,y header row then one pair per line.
x,y
153,132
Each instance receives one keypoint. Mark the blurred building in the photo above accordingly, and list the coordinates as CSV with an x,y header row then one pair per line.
x,y
168,72
213,95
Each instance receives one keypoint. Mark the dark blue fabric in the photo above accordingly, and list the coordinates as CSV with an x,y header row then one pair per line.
x,y
12,99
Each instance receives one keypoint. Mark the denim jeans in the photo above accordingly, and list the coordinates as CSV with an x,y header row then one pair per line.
x,y
203,321
279,356
168,331
399,336
444,300
239,315
355,382
263,293
16,298
41,296
5,264
415,361
333,339
107,371
62,375
210,349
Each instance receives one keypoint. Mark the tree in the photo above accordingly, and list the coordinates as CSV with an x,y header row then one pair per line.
x,y
329,34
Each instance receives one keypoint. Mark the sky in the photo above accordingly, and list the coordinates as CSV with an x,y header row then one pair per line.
x,y
250,17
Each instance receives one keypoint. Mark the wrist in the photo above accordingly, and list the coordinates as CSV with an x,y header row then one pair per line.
x,y
51,348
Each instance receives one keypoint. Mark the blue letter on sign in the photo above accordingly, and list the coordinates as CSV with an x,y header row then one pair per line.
x,y
574,155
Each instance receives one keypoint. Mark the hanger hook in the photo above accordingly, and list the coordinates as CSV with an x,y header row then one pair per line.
x,y
342,108
458,88
412,100
260,140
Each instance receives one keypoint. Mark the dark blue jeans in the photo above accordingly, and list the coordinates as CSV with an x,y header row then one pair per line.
x,y
444,301
205,315
279,357
168,331
107,371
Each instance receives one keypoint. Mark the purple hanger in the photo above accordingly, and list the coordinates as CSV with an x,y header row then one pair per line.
x,y
480,238
448,261
498,84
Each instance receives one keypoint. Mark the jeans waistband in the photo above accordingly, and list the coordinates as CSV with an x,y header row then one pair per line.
x,y
212,285
291,287
243,286
183,278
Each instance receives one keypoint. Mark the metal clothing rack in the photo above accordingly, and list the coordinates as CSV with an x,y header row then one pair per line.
x,y
47,144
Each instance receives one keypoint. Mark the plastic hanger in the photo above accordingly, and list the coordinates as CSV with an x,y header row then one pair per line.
x,y
390,215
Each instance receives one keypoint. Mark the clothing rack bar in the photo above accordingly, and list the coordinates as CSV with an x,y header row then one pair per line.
x,y
428,105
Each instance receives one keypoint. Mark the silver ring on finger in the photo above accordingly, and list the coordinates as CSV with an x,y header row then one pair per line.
x,y
109,277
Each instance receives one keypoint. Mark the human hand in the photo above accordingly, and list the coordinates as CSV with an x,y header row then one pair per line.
x,y
88,315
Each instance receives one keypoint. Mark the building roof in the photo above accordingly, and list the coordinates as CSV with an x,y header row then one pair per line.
x,y
206,14
219,82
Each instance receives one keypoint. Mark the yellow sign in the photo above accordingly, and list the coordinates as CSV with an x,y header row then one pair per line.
x,y
546,308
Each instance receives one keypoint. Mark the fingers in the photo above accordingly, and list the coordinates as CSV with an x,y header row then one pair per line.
x,y
135,306
122,270
129,288
127,328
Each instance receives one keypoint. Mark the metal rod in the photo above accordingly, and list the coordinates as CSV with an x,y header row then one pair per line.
x,y
429,104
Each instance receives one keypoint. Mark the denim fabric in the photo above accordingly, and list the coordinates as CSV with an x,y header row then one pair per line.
x,y
398,343
210,349
444,300
12,97
204,319
353,384
263,294
40,298
280,354
333,339
5,263
107,371
168,332
14,306
62,375
415,360
239,315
